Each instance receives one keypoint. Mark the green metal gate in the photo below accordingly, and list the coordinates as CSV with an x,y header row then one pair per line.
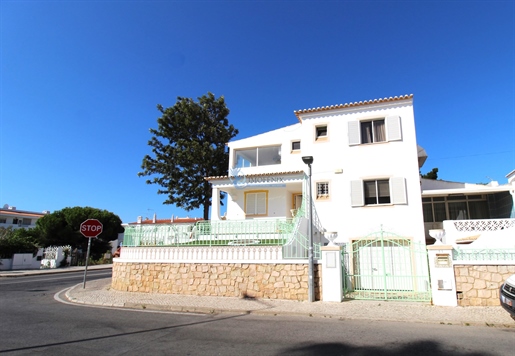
x,y
385,266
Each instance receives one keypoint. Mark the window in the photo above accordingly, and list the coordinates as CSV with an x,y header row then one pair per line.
x,y
375,130
322,190
378,191
455,207
256,203
320,132
15,221
258,156
26,222
295,146
3,221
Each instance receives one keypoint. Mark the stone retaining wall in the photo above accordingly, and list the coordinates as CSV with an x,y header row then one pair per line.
x,y
478,285
272,281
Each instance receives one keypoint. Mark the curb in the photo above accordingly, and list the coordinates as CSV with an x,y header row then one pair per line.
x,y
42,272
281,311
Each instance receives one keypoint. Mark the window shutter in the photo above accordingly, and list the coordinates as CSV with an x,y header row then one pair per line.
x,y
398,190
250,209
393,127
261,203
354,137
356,193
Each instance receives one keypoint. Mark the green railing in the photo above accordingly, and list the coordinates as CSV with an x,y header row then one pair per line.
x,y
243,232
157,234
211,233
485,254
265,232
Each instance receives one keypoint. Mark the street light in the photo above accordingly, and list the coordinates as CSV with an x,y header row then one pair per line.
x,y
311,282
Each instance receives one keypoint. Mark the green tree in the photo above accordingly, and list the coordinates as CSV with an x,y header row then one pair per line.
x,y
17,241
433,174
62,227
189,145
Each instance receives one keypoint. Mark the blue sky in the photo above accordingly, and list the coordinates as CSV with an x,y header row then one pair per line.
x,y
80,81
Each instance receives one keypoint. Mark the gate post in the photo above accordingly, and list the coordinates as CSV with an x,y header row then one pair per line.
x,y
443,282
332,279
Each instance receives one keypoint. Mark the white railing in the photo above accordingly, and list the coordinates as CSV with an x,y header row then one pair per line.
x,y
225,254
482,225
459,230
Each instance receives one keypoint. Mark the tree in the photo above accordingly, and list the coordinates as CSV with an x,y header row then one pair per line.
x,y
433,174
62,227
189,145
17,241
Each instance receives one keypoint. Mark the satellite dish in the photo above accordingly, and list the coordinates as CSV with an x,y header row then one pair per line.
x,y
6,206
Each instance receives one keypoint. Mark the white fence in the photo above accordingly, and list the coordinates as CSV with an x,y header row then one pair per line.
x,y
222,254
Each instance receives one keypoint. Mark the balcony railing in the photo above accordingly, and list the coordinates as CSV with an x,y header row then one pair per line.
x,y
263,232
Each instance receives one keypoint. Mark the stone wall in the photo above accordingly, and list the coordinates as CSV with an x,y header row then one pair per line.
x,y
479,285
272,281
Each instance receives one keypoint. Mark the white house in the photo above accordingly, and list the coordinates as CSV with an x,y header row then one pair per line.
x,y
365,170
11,217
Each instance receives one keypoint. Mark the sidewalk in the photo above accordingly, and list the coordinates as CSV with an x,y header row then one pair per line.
x,y
99,293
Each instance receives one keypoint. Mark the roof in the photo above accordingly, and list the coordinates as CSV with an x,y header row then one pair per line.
x,y
14,212
349,105
253,175
148,221
432,187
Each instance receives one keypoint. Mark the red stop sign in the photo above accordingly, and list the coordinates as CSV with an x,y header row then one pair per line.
x,y
91,228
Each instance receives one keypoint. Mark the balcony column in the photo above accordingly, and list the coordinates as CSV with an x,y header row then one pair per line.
x,y
215,204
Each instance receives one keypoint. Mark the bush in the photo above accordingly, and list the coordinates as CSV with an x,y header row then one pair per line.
x,y
16,241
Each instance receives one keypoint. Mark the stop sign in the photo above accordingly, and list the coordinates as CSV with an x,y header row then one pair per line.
x,y
91,228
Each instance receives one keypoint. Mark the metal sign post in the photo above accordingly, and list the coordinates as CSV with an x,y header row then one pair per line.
x,y
86,265
90,228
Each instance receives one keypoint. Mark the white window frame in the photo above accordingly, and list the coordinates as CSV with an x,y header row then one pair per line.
x,y
397,185
253,199
278,159
393,130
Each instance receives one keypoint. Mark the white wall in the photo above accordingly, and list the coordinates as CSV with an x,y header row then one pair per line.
x,y
339,163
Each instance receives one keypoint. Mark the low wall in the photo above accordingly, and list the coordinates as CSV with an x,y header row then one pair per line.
x,y
255,280
478,285
6,264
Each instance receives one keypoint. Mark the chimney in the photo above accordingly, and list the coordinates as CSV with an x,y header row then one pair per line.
x,y
154,218
139,219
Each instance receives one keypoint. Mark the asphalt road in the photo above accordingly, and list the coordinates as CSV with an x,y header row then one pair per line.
x,y
32,321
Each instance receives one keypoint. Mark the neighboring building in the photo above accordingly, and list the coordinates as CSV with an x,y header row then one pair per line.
x,y
365,174
172,220
11,217
465,209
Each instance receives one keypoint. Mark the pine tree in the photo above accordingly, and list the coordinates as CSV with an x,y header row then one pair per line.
x,y
187,146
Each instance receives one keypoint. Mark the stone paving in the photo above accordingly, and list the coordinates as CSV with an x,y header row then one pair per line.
x,y
99,293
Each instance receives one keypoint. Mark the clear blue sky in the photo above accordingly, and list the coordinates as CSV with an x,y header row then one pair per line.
x,y
80,81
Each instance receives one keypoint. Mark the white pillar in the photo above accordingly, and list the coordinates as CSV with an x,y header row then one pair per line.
x,y
332,279
215,204
443,282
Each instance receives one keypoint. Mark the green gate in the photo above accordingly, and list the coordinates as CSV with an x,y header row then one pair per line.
x,y
385,266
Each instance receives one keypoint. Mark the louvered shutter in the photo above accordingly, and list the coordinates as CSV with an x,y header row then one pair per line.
x,y
354,136
260,203
356,193
393,128
250,209
398,190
